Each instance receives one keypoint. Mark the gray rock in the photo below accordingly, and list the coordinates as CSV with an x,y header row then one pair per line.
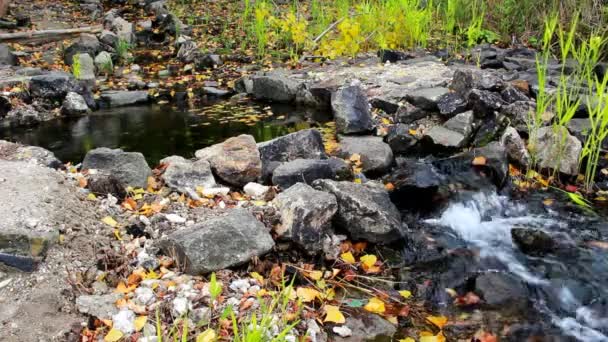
x,y
351,110
557,150
306,216
103,62
447,138
502,291
100,306
408,113
35,203
207,61
130,168
7,57
74,105
466,80
108,38
451,104
301,170
274,87
86,44
365,211
399,138
427,98
511,94
52,86
463,123
187,51
121,98
484,103
218,242
26,116
515,146
31,154
85,70
376,156
367,327
519,112
215,92
123,29
185,176
236,161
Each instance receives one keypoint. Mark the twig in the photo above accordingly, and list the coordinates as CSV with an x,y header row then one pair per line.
x,y
321,35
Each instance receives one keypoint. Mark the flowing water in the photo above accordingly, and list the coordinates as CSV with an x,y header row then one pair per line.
x,y
569,289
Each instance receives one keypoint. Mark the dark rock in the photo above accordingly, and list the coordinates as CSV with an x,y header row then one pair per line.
x,y
515,146
5,106
236,161
340,168
274,87
557,150
408,113
376,155
122,98
301,170
171,25
502,291
6,56
207,61
484,103
108,38
467,79
518,113
367,327
185,176
52,86
219,241
306,216
351,111
129,168
533,241
365,211
26,116
463,123
387,106
427,98
393,56
416,184
539,332
511,94
86,44
451,104
102,184
74,105
491,64
399,139
490,129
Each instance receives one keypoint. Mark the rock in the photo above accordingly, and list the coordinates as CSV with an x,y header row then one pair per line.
x,y
83,68
7,57
100,306
511,94
557,150
103,62
444,137
102,184
35,203
236,161
427,98
306,216
451,104
31,154
393,56
301,170
53,86
124,321
502,291
351,110
467,79
255,190
208,61
408,113
305,144
185,176
518,113
26,116
87,44
490,129
399,139
515,146
74,105
484,103
497,164
415,183
130,168
218,242
365,211
187,51
340,168
367,327
123,29
274,87
463,123
533,241
376,155
121,98
108,38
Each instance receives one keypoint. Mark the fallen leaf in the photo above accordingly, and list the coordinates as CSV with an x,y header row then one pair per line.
x,y
206,336
426,336
307,294
139,323
375,305
407,339
389,186
439,321
468,299
258,277
333,314
348,258
123,288
315,275
485,337
405,293
479,161
368,263
113,335
109,221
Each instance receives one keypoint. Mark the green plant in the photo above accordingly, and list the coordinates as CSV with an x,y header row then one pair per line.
x,y
262,16
123,51
76,67
107,67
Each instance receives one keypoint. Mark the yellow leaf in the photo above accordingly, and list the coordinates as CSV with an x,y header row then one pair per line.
x,y
348,257
117,235
109,221
368,260
439,321
258,277
405,293
358,180
392,319
333,314
140,322
206,336
407,339
113,335
426,336
306,294
91,197
315,275
375,305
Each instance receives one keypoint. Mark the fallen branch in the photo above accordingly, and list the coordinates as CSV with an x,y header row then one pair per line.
x,y
49,35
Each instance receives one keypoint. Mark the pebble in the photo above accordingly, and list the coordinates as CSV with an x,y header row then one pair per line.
x,y
174,218
255,190
144,295
343,331
124,321
240,285
212,192
181,306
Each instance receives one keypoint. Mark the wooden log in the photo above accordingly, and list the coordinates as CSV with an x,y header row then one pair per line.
x,y
47,35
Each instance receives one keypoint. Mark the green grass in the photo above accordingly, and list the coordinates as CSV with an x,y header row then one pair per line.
x,y
123,49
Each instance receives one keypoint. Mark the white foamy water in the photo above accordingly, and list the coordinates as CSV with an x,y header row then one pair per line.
x,y
485,221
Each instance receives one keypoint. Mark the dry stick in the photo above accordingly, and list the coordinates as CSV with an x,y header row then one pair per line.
x,y
326,31
48,34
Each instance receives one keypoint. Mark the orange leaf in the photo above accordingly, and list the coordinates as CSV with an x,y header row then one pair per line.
x,y
479,161
439,321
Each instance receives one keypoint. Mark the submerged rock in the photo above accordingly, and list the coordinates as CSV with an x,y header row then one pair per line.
x,y
376,156
502,291
130,168
364,211
220,241
302,170
351,110
306,216
533,241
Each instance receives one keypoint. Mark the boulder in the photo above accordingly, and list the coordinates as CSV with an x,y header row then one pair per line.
x,y
219,241
236,161
185,176
31,154
351,110
399,139
364,211
52,86
301,170
426,98
26,116
86,44
130,168
502,291
123,29
515,146
556,149
7,57
274,87
376,156
74,105
306,216
533,241
366,327
122,98
451,104
83,68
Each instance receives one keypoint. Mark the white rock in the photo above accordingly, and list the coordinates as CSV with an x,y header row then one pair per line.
x,y
212,192
144,295
202,314
174,218
144,220
240,285
343,331
124,321
148,339
181,306
255,190
314,332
